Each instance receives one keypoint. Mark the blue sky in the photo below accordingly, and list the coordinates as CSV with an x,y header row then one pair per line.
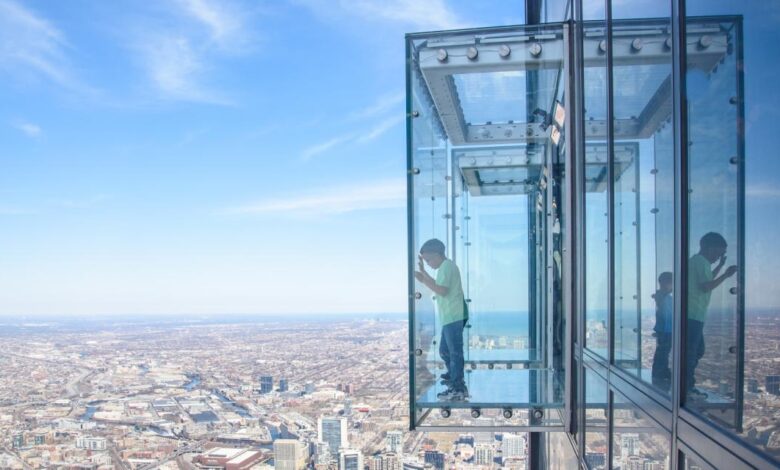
x,y
204,156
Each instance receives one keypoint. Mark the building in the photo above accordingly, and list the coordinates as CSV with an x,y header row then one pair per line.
x,y
266,384
484,454
512,446
773,384
394,442
385,461
322,453
229,458
290,454
596,160
333,431
434,458
350,459
283,385
18,441
91,443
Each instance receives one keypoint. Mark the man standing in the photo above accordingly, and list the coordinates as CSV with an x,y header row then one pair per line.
x,y
702,280
448,290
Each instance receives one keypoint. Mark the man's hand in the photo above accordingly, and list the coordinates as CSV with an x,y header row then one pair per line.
x,y
419,276
420,264
722,261
730,271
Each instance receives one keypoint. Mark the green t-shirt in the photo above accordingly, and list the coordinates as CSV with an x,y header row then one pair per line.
x,y
450,306
699,272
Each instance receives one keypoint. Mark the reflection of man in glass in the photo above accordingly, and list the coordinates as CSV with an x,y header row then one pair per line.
x,y
702,280
452,316
664,310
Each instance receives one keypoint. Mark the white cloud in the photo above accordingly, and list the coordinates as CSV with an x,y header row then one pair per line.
x,y
762,191
28,128
323,147
180,58
173,66
383,194
384,104
380,129
30,44
422,15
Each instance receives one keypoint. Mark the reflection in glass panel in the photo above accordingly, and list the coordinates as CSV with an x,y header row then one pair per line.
x,y
716,220
558,452
596,432
736,138
596,174
693,464
637,441
643,199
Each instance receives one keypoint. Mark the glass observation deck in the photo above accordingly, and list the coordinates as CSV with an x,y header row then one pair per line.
x,y
487,144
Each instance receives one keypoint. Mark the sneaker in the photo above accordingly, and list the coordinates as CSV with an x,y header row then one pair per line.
x,y
445,376
453,395
445,393
696,394
446,382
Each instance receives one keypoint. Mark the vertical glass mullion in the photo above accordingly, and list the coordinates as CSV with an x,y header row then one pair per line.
x,y
610,191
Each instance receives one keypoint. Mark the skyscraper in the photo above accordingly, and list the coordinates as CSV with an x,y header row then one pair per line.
x,y
483,454
266,384
333,431
394,441
350,459
435,458
283,386
512,445
289,454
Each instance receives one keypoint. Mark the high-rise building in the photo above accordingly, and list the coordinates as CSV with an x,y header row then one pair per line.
x,y
435,458
350,459
394,442
385,461
773,384
289,454
323,454
512,445
333,431
629,445
91,443
266,384
283,386
483,454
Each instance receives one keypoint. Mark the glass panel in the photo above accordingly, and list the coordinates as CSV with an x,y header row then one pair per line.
x,y
429,207
735,107
716,219
596,432
637,442
596,222
644,192
690,463
490,201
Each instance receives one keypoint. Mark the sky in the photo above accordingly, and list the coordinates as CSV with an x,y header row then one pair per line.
x,y
204,156
245,156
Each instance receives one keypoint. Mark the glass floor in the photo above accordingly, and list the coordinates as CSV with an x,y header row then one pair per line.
x,y
504,388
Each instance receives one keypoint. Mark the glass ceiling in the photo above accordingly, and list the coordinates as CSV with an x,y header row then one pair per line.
x,y
501,97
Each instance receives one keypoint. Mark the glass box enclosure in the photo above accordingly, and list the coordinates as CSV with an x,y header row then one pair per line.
x,y
489,152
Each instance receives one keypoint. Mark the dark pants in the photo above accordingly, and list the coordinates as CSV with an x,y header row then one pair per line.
x,y
661,373
451,352
694,350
